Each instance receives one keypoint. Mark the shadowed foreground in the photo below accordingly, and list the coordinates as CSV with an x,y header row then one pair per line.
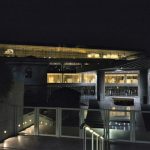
x,y
53,143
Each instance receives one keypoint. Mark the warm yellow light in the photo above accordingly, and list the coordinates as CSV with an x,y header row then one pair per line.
x,y
114,56
93,55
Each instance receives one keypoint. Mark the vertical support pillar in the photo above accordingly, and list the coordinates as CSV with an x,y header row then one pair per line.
x,y
106,127
100,85
143,87
58,122
132,126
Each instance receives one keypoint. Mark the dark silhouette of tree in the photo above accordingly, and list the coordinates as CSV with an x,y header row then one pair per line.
x,y
6,79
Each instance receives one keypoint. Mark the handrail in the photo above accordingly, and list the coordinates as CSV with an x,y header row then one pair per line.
x,y
99,138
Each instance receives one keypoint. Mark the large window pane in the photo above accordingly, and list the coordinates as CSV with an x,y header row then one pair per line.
x,y
72,78
132,79
89,77
115,78
54,78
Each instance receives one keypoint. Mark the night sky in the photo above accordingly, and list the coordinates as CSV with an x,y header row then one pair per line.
x,y
114,24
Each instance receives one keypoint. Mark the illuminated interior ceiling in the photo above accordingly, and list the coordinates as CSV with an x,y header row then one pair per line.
x,y
64,52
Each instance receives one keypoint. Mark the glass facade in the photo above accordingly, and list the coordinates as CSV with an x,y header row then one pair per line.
x,y
89,77
54,78
121,84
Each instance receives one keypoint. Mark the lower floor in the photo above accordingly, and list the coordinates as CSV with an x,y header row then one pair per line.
x,y
50,143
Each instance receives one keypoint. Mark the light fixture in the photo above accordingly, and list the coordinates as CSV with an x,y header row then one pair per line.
x,y
5,131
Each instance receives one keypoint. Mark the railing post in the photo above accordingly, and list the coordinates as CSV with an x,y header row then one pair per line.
x,y
58,121
81,117
106,124
84,142
92,145
96,142
102,144
36,120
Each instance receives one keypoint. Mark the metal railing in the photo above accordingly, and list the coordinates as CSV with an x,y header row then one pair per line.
x,y
98,145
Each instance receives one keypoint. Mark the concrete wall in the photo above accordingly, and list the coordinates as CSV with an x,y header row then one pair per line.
x,y
11,107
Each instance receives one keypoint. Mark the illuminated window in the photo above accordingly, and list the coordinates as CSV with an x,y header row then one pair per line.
x,y
132,79
54,78
89,77
115,78
72,78
121,78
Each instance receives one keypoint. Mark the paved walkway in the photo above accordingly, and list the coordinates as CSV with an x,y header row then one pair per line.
x,y
53,143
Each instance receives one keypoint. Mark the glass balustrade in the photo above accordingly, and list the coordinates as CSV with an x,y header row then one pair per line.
x,y
47,121
28,122
142,125
70,122
113,124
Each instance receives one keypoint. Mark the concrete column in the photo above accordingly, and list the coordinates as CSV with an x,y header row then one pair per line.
x,y
148,87
100,85
143,87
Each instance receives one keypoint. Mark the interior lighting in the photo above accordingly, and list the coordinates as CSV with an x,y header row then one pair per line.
x,y
19,125
114,56
30,120
9,52
93,55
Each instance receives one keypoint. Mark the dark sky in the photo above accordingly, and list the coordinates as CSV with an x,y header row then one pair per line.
x,y
115,24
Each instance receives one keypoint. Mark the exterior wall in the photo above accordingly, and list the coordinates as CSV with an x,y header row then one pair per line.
x,y
35,87
11,109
